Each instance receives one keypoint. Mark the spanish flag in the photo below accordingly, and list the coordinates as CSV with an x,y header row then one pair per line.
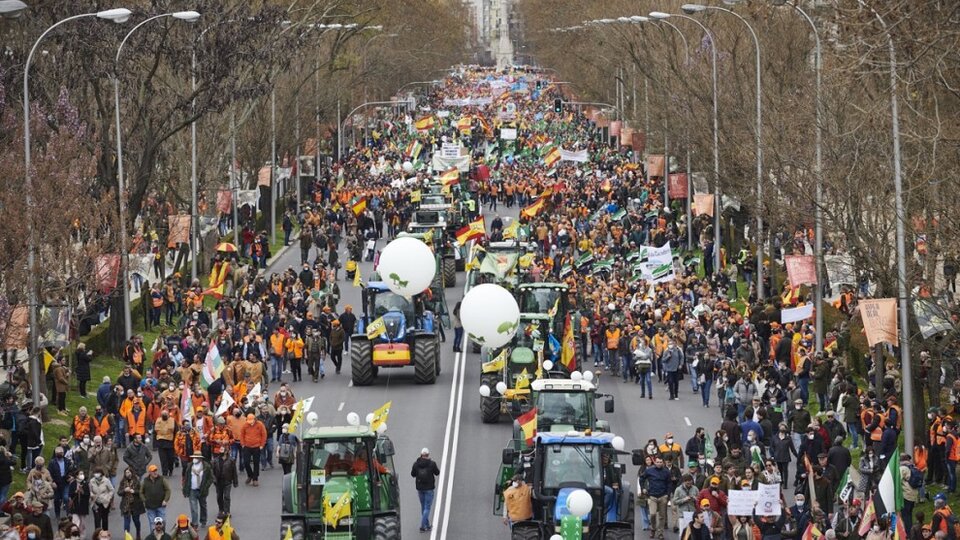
x,y
475,229
532,210
425,124
359,206
551,157
567,353
464,124
450,177
218,279
528,424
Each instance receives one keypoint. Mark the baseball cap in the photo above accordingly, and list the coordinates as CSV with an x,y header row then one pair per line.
x,y
158,520
182,520
704,503
152,468
714,481
424,451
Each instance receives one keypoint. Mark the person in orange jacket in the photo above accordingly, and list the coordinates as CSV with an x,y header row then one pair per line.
x,y
253,437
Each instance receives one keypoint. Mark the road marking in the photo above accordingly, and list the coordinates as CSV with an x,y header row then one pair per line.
x,y
687,420
446,442
342,403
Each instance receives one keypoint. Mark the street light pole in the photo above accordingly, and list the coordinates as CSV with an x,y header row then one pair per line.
x,y
698,8
273,164
118,15
818,173
666,157
234,178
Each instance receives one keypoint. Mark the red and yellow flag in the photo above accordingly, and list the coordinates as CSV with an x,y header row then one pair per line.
x,y
552,157
532,210
465,124
475,229
450,177
528,424
567,350
218,279
359,206
425,124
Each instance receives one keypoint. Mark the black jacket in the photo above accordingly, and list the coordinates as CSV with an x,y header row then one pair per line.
x,y
425,471
83,365
782,449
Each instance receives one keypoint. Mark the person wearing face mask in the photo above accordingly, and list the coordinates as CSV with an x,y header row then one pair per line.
x,y
33,532
284,398
672,362
798,420
670,449
197,479
164,433
782,449
880,530
102,456
869,468
80,456
517,501
657,480
101,498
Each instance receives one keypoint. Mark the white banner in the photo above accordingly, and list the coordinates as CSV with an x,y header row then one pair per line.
x,y
740,502
840,269
508,134
468,102
247,196
449,151
768,500
578,156
141,264
440,163
796,314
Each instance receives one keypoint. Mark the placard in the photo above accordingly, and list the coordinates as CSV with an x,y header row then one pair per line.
x,y
801,269
796,314
768,500
741,502
880,320
450,151
508,134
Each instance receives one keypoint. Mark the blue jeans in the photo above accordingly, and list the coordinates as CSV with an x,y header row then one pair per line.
x,y
266,454
198,508
804,389
646,383
597,354
854,431
276,367
610,502
693,378
458,338
4,490
135,519
426,503
705,391
951,476
153,513
235,450
625,366
644,517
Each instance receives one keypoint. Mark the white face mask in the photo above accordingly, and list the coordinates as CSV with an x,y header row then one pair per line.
x,y
810,436
669,441
516,484
81,477
876,528
98,475
196,461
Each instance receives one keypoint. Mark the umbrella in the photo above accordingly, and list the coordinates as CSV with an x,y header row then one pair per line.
x,y
226,247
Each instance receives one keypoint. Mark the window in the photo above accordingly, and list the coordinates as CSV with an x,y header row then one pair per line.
x,y
565,463
564,408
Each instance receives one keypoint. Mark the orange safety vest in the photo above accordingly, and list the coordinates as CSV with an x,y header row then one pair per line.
x,y
944,514
920,453
613,339
101,427
935,431
877,433
954,454
81,427
899,416
136,425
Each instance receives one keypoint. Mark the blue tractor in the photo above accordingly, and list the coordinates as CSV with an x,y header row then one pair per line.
x,y
408,337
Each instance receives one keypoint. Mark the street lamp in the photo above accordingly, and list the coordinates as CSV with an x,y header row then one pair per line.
x,y
11,9
716,132
818,173
118,15
188,16
691,9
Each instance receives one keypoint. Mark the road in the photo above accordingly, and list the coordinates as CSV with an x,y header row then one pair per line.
x,y
445,418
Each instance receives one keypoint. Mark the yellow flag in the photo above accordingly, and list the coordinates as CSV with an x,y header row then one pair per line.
x,y
428,236
289,535
526,260
126,536
47,360
380,416
415,196
523,380
553,311
226,532
376,328
511,230
334,512
356,277
496,364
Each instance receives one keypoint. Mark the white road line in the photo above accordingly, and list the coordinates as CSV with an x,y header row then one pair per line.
x,y
687,420
446,441
342,403
456,441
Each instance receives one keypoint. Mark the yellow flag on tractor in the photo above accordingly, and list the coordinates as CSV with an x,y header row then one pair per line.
x,y
356,277
380,416
523,380
376,328
568,355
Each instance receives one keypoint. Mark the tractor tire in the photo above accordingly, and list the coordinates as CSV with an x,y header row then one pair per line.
x,y
438,360
425,360
361,362
525,533
386,528
474,347
296,527
618,534
489,406
449,268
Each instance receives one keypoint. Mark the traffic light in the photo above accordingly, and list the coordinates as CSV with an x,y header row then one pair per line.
x,y
558,105
539,84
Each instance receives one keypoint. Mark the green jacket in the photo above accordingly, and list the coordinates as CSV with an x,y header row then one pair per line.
x,y
154,492
206,479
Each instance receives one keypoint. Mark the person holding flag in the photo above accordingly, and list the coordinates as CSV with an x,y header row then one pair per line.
x,y
222,529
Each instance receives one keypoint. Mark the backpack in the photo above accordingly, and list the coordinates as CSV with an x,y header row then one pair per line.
x,y
916,478
285,451
953,525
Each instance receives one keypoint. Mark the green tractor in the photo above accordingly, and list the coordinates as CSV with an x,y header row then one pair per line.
x,y
554,299
506,377
343,487
432,226
559,468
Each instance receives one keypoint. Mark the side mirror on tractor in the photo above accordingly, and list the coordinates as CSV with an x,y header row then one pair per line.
x,y
508,456
637,457
608,405
386,448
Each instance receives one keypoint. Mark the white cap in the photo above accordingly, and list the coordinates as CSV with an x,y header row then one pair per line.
x,y
425,452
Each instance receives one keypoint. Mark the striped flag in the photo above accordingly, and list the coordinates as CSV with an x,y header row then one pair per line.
x,y
528,425
474,229
450,177
359,206
889,496
869,516
532,210
567,353
425,124
212,366
551,157
413,149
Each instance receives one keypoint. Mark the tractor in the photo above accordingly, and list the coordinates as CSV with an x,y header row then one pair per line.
x,y
343,486
556,466
408,339
555,300
516,364
433,225
563,405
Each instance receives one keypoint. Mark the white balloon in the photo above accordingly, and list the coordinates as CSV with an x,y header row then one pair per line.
x,y
576,376
490,315
312,418
382,428
407,167
556,537
618,443
501,387
547,365
579,502
484,390
353,419
369,418
588,376
407,266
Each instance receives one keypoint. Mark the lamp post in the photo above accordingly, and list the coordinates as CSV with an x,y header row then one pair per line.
x,y
716,131
818,172
119,15
699,8
188,16
906,368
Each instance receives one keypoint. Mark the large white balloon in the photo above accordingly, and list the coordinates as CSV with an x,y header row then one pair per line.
x,y
407,266
312,418
588,376
407,167
484,390
556,537
618,443
490,315
579,502
353,419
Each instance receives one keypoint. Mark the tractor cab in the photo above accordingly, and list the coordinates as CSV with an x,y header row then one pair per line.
x,y
344,485
564,405
398,313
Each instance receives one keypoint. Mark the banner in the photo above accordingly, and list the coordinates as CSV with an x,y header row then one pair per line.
x,y
508,134
14,326
840,269
654,165
880,320
615,128
224,201
677,187
108,269
577,156
626,136
263,176
932,316
656,272
53,326
140,264
307,167
740,502
801,269
796,314
703,204
179,227
499,264
247,197
439,163
468,102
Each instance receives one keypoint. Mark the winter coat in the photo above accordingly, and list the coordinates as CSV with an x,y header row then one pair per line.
x,y
105,459
425,471
225,470
206,480
101,491
154,491
782,449
79,502
130,503
84,358
137,458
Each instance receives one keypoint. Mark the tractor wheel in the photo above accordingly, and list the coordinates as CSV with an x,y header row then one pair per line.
x,y
618,534
386,528
489,406
474,347
425,359
631,504
361,362
449,272
525,533
296,527
438,359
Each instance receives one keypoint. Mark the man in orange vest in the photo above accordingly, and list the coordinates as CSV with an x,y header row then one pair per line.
x,y
937,442
82,426
942,515
217,531
102,423
952,449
